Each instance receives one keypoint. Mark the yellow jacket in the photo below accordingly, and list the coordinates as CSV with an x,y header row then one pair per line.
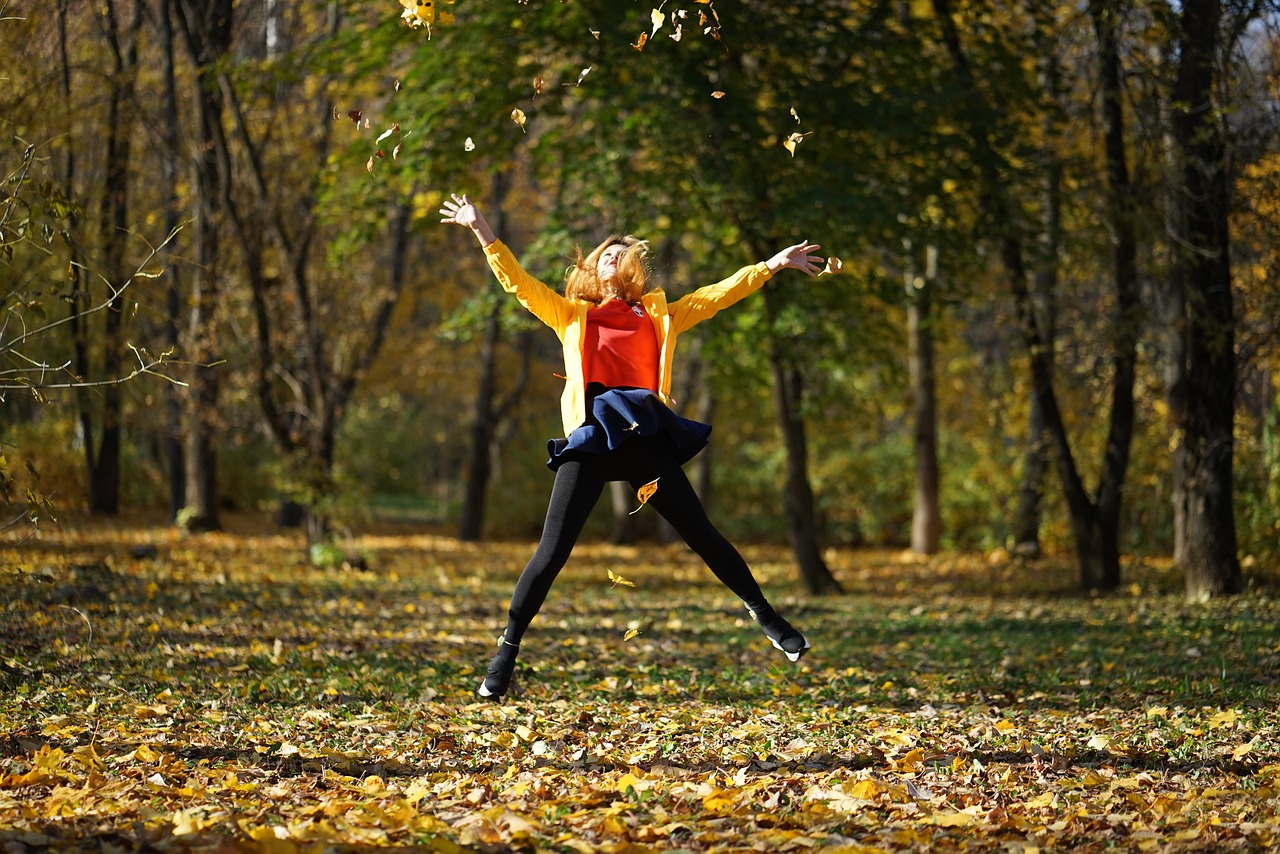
x,y
568,317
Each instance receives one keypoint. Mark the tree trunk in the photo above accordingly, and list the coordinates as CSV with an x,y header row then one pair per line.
x,y
80,299
104,478
1211,564
207,30
480,449
483,427
1094,521
173,293
1044,285
802,523
926,521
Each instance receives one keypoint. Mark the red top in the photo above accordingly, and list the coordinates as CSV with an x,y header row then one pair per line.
x,y
621,347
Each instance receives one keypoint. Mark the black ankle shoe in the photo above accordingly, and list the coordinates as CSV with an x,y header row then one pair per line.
x,y
497,678
781,634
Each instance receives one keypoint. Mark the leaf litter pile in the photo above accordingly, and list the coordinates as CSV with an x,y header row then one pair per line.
x,y
200,692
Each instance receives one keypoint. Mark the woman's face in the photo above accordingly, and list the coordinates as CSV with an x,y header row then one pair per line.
x,y
607,266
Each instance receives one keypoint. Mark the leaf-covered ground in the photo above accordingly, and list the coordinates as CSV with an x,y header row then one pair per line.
x,y
211,692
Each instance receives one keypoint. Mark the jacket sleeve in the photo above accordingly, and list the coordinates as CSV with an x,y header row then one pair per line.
x,y
703,303
541,301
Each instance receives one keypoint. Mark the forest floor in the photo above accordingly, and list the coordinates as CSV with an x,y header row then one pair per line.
x,y
214,692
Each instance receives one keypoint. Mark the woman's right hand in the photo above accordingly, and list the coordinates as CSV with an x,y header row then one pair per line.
x,y
460,210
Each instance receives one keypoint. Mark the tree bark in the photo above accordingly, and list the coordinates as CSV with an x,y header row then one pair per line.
x,y
483,427
1044,285
173,292
926,520
206,28
104,478
1205,432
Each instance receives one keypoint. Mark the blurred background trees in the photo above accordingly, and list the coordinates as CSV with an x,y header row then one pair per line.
x,y
1055,328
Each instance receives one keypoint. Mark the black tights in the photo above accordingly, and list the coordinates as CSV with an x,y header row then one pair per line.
x,y
579,485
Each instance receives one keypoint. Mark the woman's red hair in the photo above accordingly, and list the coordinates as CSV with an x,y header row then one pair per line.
x,y
582,282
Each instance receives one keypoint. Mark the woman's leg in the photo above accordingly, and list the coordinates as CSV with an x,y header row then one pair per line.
x,y
678,503
576,490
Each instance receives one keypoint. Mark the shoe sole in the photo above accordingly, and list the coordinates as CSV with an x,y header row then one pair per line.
x,y
793,656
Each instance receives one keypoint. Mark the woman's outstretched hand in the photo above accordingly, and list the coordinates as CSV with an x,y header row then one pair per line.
x,y
460,210
799,257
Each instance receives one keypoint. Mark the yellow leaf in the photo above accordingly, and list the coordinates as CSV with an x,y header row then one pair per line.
x,y
953,819
1227,718
867,790
1006,726
656,18
795,115
1092,779
913,761
517,116
644,493
834,266
793,140
618,579
1244,749
717,94
630,634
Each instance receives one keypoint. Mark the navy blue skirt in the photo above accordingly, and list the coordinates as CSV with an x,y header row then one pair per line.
x,y
616,416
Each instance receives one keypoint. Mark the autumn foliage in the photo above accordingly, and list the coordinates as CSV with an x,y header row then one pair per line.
x,y
207,692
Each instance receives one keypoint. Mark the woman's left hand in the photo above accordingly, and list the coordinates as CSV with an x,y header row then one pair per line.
x,y
799,257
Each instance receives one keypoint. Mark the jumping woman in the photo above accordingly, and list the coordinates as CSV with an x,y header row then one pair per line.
x,y
619,341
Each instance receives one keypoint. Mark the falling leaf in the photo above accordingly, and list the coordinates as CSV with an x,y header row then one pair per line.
x,y
469,145
355,116
717,94
657,19
582,75
395,152
396,85
795,115
537,85
369,166
517,116
336,115
386,133
644,493
792,141
630,634
834,266
595,34
678,34
639,42
618,579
